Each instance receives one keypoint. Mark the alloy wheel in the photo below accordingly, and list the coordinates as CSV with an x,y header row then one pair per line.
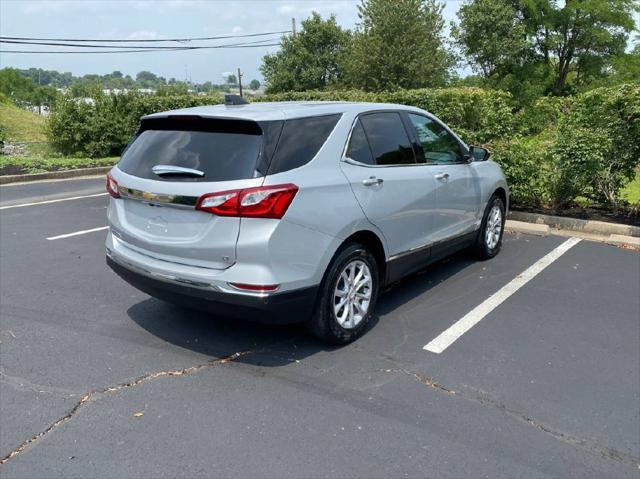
x,y
493,229
352,294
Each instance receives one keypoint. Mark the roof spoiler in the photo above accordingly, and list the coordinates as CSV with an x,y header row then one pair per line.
x,y
230,99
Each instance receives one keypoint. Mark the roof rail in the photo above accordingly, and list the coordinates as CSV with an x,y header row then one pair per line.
x,y
230,99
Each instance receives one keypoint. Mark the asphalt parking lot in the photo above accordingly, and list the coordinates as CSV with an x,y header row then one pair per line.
x,y
99,380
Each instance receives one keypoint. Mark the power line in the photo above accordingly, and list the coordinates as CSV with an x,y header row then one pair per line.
x,y
129,40
139,47
50,52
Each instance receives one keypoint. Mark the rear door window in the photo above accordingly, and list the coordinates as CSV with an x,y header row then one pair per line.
x,y
300,141
359,146
388,139
222,150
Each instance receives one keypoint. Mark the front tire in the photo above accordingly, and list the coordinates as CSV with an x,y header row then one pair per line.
x,y
347,296
489,239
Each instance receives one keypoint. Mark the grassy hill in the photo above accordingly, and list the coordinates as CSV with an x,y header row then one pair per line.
x,y
22,125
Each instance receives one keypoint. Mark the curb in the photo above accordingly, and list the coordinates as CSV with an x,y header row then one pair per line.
x,y
55,175
574,224
625,241
526,228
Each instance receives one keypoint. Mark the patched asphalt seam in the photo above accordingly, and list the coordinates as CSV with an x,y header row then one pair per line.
x,y
487,400
115,388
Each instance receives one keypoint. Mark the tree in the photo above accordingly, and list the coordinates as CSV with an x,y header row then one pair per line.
x,y
399,44
309,60
23,91
498,48
254,85
232,79
626,67
572,42
15,86
145,79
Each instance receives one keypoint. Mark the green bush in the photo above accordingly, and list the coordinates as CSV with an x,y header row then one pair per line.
x,y
553,151
102,125
526,162
478,116
575,159
585,146
37,164
543,114
604,126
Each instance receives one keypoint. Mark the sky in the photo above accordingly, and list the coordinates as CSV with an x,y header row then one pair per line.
x,y
145,19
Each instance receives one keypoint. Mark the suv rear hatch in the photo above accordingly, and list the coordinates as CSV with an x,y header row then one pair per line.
x,y
171,162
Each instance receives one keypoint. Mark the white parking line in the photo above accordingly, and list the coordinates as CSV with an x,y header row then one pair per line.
x,y
77,233
52,201
473,317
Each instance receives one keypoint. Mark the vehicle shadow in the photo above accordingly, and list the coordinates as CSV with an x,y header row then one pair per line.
x,y
272,345
218,336
422,282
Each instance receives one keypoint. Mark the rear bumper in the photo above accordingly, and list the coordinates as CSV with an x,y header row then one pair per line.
x,y
282,308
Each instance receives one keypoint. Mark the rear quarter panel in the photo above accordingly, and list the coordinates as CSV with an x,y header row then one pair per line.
x,y
323,214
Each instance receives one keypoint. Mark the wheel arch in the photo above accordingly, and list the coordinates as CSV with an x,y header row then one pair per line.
x,y
374,244
502,194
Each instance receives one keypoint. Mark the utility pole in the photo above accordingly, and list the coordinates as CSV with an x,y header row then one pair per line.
x,y
240,81
39,105
293,26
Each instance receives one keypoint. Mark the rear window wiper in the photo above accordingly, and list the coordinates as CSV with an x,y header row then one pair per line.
x,y
173,170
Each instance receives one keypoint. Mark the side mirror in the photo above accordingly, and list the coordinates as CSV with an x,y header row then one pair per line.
x,y
479,153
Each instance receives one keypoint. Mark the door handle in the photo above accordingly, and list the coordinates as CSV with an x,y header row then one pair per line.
x,y
442,176
372,181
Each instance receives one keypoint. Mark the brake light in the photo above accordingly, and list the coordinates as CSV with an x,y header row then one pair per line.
x,y
258,202
112,186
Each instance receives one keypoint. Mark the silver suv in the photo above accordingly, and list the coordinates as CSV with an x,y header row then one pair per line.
x,y
300,211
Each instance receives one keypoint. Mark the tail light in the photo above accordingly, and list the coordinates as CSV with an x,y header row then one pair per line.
x,y
260,202
112,186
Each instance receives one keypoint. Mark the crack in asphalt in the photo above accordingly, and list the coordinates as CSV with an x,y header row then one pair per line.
x,y
429,382
467,393
485,399
115,388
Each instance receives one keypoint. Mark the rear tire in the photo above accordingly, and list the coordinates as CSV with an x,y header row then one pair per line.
x,y
347,296
489,239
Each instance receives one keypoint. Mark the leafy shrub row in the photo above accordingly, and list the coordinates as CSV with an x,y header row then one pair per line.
x,y
553,152
40,164
586,146
103,124
478,116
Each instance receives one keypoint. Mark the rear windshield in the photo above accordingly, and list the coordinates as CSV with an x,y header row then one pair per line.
x,y
222,150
